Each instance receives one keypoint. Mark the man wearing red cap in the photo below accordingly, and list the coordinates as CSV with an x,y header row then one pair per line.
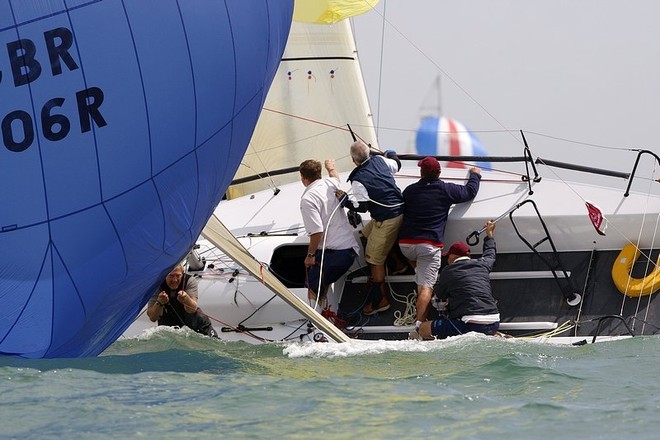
x,y
464,288
425,211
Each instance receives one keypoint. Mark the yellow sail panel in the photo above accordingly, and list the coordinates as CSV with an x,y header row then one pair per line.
x,y
330,11
317,91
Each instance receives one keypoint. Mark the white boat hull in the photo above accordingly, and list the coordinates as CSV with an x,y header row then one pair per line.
x,y
269,225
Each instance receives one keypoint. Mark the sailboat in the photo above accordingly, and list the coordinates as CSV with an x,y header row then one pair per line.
x,y
444,136
576,261
440,135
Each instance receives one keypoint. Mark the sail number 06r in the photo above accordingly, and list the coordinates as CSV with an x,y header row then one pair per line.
x,y
18,128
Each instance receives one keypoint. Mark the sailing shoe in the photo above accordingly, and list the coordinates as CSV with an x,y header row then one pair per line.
x,y
383,305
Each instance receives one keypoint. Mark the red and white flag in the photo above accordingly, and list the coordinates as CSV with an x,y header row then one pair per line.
x,y
596,217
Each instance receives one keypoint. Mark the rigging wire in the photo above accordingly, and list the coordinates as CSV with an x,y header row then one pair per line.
x,y
572,189
271,184
648,304
473,99
439,68
380,68
588,144
649,261
273,233
314,121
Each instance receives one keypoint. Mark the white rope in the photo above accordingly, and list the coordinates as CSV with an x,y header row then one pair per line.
x,y
560,329
350,192
386,206
325,238
409,315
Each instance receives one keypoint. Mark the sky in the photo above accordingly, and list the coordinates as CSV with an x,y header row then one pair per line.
x,y
583,70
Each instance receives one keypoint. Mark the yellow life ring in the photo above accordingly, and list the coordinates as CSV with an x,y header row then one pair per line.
x,y
633,287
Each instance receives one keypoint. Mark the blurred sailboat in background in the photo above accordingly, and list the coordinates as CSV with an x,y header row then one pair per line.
x,y
439,135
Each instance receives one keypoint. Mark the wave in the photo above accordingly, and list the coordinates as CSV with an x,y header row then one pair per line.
x,y
463,357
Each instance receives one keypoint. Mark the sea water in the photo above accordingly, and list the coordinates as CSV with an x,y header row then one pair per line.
x,y
177,384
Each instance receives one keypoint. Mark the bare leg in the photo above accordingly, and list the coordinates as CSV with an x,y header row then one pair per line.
x,y
399,260
322,302
425,331
423,300
377,299
378,273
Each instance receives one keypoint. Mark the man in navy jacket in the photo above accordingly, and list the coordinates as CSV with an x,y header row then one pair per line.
x,y
425,211
374,189
465,287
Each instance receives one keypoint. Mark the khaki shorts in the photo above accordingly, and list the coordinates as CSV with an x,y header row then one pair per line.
x,y
381,236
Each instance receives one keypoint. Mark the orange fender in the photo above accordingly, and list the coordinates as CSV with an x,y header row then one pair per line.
x,y
633,287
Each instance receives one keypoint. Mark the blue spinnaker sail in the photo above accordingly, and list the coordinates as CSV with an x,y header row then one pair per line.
x,y
122,122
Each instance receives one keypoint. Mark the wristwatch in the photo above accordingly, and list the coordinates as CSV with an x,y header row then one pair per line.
x,y
311,255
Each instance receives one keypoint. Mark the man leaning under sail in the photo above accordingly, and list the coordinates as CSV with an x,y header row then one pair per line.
x,y
175,304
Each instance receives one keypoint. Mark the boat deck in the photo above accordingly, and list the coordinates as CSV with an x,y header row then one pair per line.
x,y
529,298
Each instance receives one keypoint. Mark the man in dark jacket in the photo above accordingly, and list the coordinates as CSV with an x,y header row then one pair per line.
x,y
374,189
425,211
465,286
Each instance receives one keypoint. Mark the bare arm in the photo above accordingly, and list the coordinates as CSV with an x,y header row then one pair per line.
x,y
155,308
490,228
189,302
489,252
314,243
188,295
330,168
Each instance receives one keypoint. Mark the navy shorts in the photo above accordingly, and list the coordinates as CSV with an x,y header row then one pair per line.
x,y
336,263
445,327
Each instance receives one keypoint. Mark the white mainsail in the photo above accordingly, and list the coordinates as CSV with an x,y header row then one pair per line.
x,y
316,92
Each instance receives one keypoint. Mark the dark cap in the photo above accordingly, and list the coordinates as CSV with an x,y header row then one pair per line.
x,y
429,163
459,249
